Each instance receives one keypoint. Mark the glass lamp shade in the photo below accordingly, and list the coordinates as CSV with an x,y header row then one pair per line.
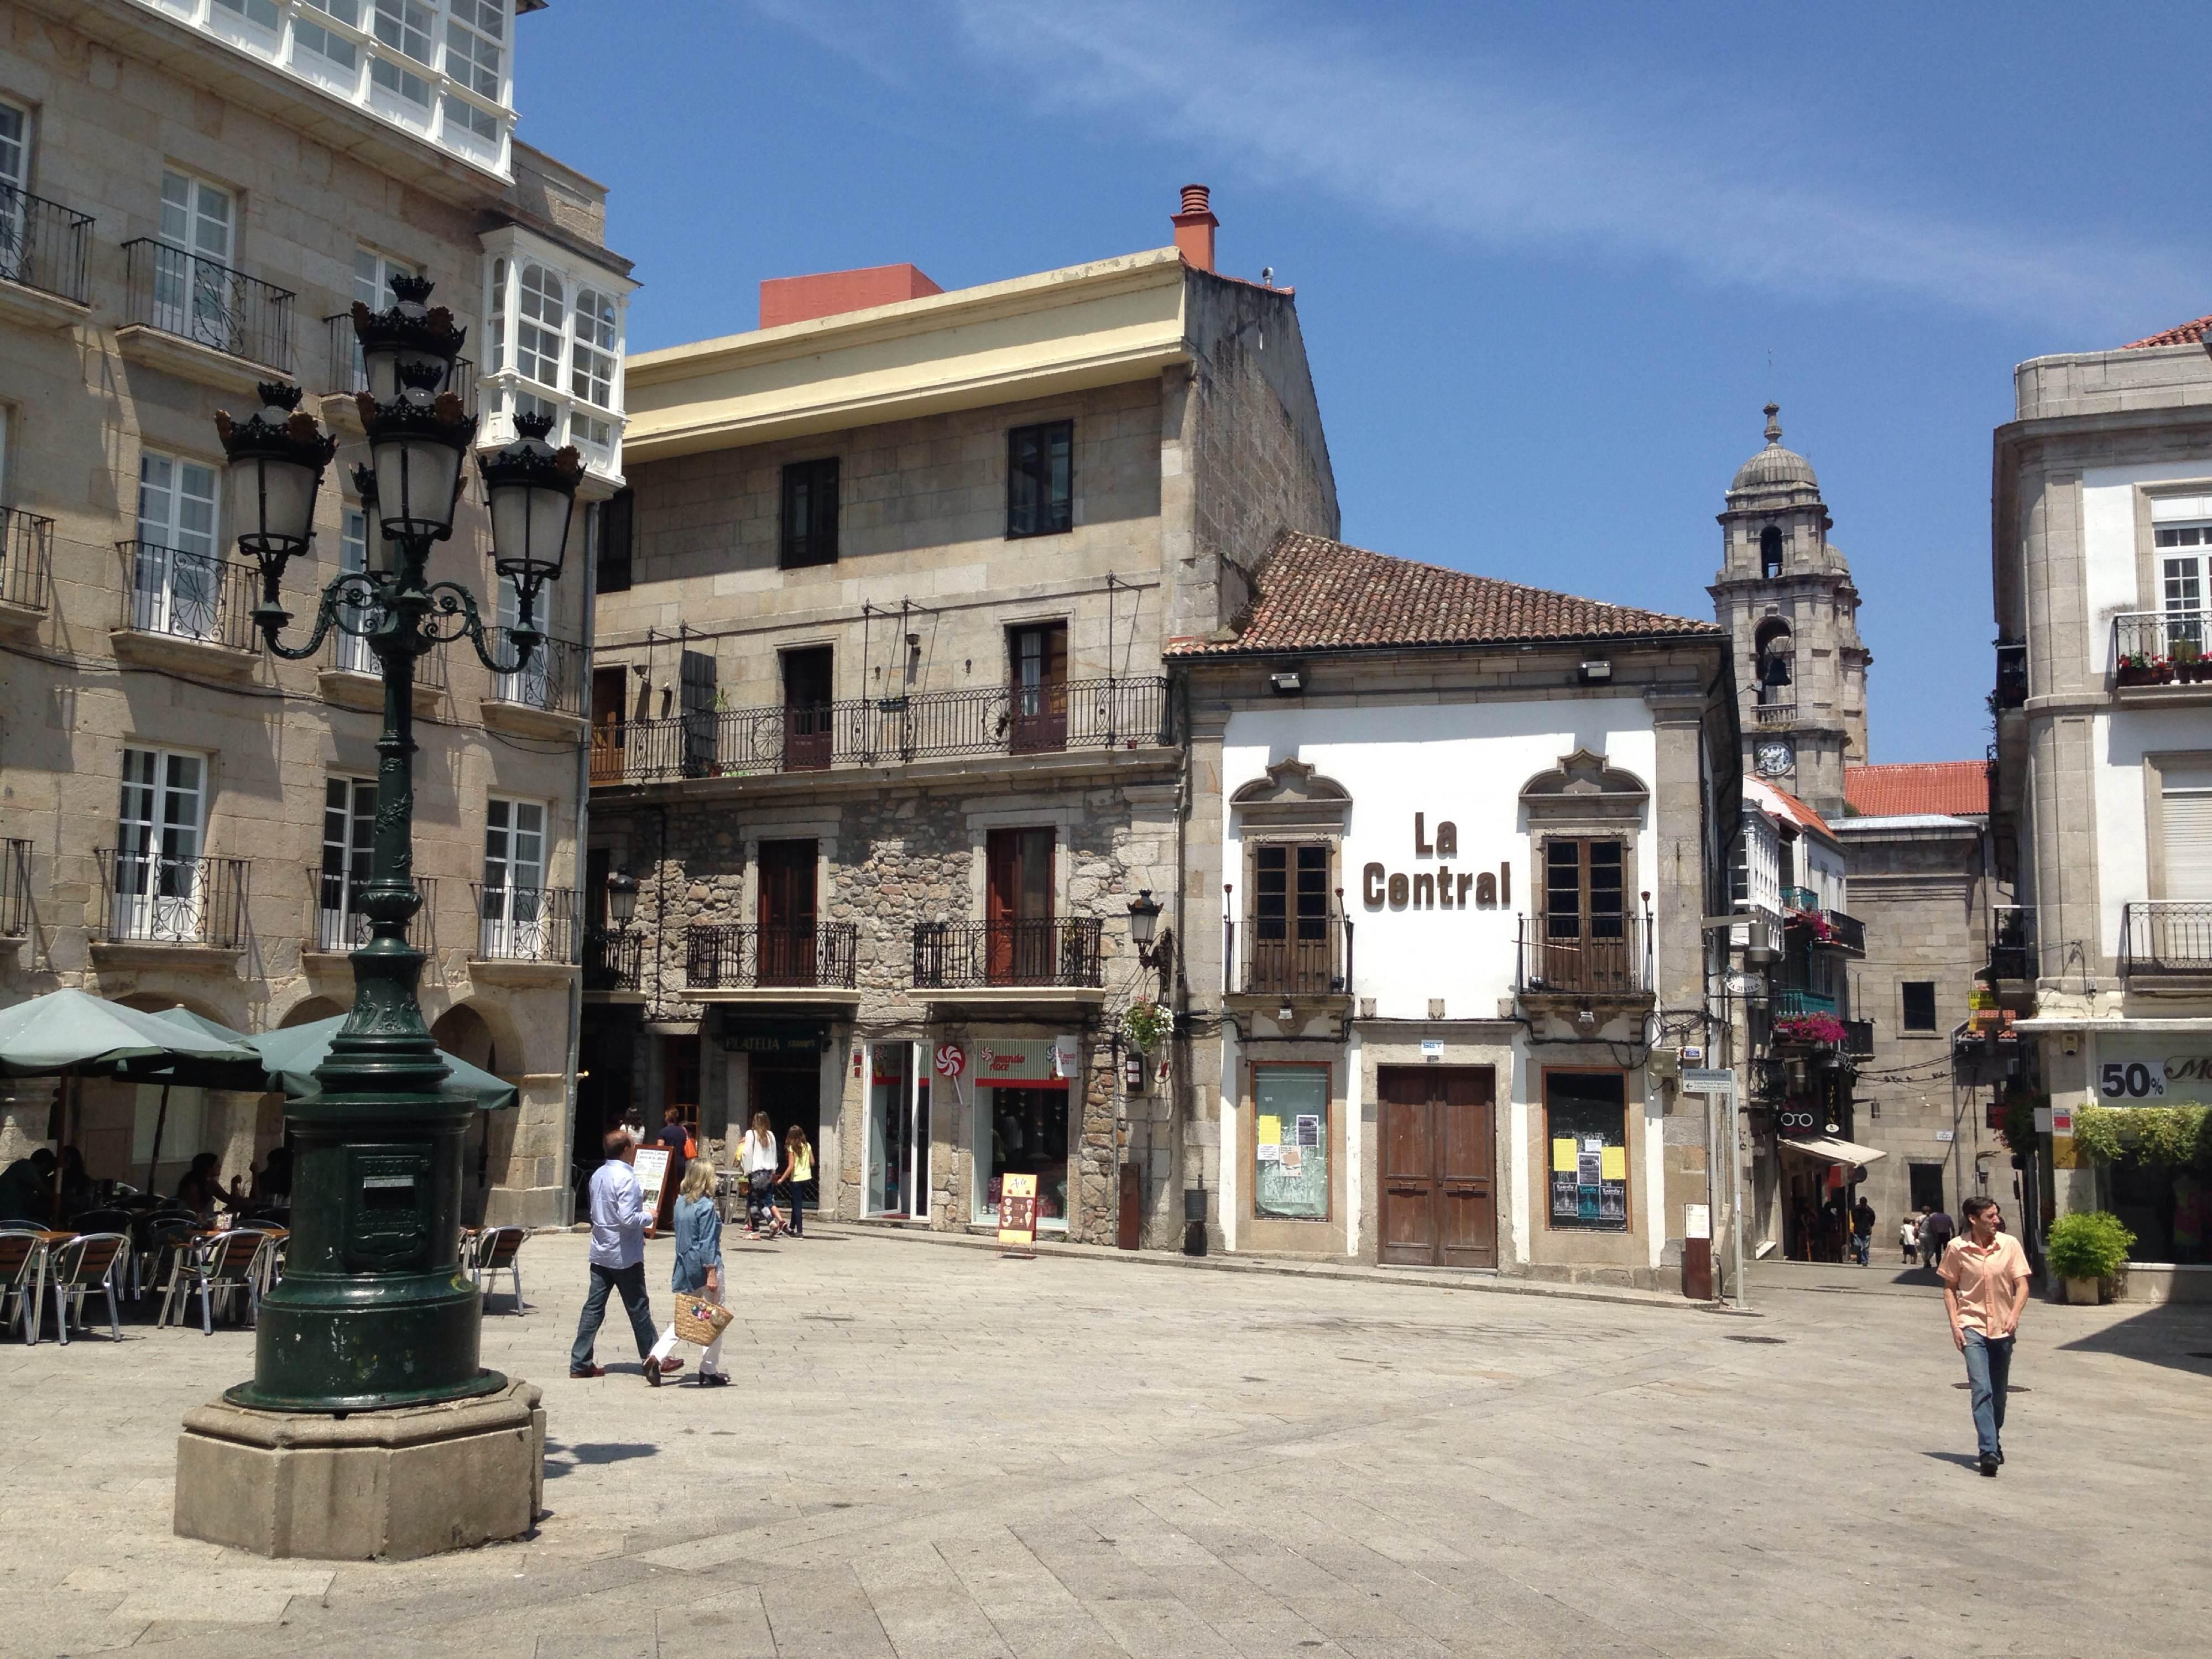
x,y
382,365
1144,918
417,479
531,489
276,461
410,336
622,897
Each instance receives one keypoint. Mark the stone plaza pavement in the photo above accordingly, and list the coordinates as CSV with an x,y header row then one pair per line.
x,y
935,1453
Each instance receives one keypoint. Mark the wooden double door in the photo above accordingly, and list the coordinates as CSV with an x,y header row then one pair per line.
x,y
1439,1166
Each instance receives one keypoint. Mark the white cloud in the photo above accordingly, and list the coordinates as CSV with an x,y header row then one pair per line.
x,y
1485,151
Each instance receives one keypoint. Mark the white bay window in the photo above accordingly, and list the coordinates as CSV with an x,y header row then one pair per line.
x,y
556,347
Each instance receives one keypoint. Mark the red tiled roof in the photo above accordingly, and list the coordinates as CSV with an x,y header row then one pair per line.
x,y
2188,333
1314,595
1958,788
1792,807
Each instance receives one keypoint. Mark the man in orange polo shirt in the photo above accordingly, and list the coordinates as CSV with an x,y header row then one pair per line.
x,y
1985,1288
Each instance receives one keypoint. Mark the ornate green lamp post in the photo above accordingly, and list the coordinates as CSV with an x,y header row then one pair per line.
x,y
373,1312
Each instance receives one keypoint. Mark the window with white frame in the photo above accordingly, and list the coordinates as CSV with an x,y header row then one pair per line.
x,y
474,63
352,652
157,874
15,147
512,913
592,366
349,842
405,27
262,15
541,321
192,275
2181,550
177,574
321,51
557,333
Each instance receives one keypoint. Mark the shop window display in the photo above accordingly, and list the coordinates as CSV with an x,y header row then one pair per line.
x,y
1289,1105
1586,1118
1028,1136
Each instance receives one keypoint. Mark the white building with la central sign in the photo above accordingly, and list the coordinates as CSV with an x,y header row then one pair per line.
x,y
1462,835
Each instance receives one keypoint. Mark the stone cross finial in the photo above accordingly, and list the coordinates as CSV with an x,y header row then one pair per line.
x,y
1773,426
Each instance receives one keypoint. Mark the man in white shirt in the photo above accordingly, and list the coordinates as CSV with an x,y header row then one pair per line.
x,y
617,1256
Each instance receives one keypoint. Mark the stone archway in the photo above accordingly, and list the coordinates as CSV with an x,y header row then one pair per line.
x,y
308,1011
463,1033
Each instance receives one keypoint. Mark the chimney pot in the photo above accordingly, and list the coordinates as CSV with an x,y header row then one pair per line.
x,y
1195,226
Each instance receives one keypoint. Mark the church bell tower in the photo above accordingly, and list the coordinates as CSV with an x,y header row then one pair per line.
x,y
1785,595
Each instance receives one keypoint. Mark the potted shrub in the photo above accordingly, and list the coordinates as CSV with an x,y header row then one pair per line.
x,y
2087,1250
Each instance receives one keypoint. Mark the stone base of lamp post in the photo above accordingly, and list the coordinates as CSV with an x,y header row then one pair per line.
x,y
366,1485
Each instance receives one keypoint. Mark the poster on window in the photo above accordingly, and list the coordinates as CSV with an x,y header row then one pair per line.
x,y
1289,1171
1589,1173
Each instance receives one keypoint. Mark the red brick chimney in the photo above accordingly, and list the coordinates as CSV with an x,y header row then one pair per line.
x,y
800,299
1195,227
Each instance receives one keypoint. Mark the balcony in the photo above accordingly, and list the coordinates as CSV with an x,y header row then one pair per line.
x,y
351,674
1794,1002
194,317
186,610
774,963
2012,943
523,933
15,888
1845,932
2012,674
1088,714
1858,1039
1774,713
1058,952
27,557
343,375
44,248
614,962
1560,958
2158,651
174,905
1296,957
545,697
339,924
2165,938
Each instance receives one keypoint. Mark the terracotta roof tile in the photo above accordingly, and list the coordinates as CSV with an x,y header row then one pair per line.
x,y
2188,333
1957,788
1314,595
1787,803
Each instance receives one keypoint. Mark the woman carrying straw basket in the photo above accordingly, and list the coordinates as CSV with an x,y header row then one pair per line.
x,y
697,1281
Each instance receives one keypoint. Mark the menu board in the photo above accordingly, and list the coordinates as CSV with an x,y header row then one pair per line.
x,y
652,1174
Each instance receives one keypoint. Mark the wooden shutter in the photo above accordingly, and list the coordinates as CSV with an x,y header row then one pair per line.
x,y
616,518
2187,804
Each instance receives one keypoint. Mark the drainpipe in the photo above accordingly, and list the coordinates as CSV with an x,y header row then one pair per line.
x,y
578,909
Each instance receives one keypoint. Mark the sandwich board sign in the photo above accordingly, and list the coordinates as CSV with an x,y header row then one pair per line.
x,y
1017,1210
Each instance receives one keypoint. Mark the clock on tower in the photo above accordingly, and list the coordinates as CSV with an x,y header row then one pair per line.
x,y
1775,757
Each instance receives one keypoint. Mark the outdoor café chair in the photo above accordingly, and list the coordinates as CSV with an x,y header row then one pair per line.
x,y
108,1220
89,1262
272,1258
22,1278
221,1266
168,1238
498,1249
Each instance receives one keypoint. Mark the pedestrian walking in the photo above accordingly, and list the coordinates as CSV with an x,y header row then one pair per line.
x,y
698,1234
797,1176
759,1159
1937,1230
1985,1288
1908,1236
617,1261
1862,1220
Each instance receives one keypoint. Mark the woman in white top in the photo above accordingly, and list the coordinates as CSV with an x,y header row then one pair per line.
x,y
757,1157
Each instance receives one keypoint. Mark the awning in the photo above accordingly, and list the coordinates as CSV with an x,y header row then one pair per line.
x,y
1835,1151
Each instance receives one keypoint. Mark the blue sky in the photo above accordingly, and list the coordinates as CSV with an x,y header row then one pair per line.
x,y
1549,260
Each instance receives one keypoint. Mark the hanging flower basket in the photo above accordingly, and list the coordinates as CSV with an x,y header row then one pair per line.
x,y
1146,1026
1817,1029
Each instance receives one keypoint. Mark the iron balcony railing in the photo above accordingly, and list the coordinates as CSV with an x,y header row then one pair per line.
x,y
344,372
1846,933
2166,936
1294,956
1059,950
188,596
44,244
27,557
1800,898
614,959
198,298
1573,955
339,923
736,956
523,924
15,888
2012,674
1773,714
149,898
2157,647
1794,1002
995,721
349,653
553,678
2012,942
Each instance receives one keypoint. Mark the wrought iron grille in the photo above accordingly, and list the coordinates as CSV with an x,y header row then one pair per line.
x,y
339,922
188,596
44,244
1294,956
523,924
953,955
201,300
2012,942
343,370
614,959
15,888
733,956
27,557
553,678
150,898
2166,936
1603,956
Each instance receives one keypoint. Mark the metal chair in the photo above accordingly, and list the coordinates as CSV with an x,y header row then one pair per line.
x,y
89,1262
222,1266
22,1278
498,1251
272,1258
161,1240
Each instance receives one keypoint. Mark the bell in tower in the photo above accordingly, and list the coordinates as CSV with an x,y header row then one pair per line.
x,y
1784,594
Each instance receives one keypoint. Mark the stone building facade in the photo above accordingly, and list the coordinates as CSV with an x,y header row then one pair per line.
x,y
190,204
886,738
1462,835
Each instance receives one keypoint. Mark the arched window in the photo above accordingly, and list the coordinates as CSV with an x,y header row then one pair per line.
x,y
541,325
498,315
1770,551
1776,655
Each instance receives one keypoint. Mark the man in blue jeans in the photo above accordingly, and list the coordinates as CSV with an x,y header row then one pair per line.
x,y
617,1256
1985,1288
